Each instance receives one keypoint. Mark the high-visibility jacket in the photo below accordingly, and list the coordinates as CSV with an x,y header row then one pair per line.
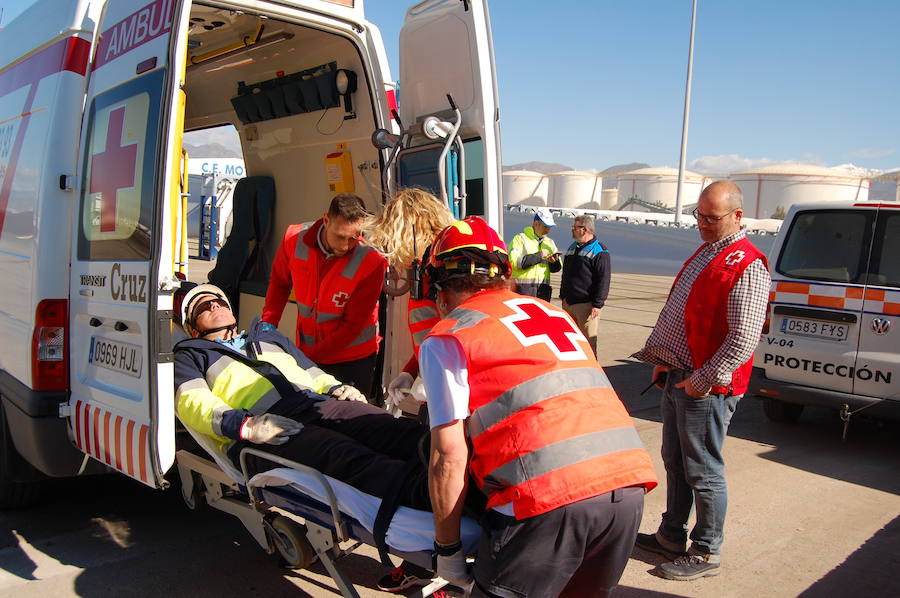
x,y
706,310
546,427
524,244
321,300
217,387
423,315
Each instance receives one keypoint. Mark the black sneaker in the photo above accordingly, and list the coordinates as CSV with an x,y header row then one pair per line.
x,y
652,543
692,566
399,579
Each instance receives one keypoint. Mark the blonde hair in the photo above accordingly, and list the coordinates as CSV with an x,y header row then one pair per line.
x,y
410,211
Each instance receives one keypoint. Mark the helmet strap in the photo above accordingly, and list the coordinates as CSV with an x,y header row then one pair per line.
x,y
204,333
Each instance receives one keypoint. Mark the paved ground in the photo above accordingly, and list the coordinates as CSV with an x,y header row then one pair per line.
x,y
808,515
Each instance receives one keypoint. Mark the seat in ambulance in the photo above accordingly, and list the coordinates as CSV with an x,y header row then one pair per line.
x,y
243,262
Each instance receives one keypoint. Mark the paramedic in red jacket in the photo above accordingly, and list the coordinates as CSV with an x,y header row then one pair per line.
x,y
516,397
703,346
336,279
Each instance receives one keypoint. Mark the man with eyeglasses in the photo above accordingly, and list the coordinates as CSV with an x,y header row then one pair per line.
x,y
255,388
585,278
702,352
336,280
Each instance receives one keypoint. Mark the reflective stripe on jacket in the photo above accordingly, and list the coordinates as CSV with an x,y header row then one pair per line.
x,y
321,300
217,387
546,427
423,315
706,310
524,244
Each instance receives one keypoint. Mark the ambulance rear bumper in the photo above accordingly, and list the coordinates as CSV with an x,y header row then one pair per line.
x,y
789,392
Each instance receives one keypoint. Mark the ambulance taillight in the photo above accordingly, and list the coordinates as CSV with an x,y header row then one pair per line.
x,y
49,353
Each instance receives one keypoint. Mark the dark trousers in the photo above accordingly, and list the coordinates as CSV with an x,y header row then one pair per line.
x,y
361,445
359,373
575,551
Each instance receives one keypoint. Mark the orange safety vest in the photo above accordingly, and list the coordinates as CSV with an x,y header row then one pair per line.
x,y
320,303
546,427
423,315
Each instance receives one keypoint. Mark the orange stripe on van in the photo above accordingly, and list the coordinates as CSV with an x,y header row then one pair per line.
x,y
129,448
106,417
875,294
825,301
853,293
792,287
892,308
142,442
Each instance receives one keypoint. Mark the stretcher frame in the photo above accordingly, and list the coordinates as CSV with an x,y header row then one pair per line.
x,y
283,520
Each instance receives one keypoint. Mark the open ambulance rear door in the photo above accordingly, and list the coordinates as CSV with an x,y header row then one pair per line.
x,y
121,370
446,49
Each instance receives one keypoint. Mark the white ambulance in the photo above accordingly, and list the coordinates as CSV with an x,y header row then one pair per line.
x,y
833,336
94,100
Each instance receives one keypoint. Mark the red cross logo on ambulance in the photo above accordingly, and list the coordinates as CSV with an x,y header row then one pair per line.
x,y
534,323
735,257
113,205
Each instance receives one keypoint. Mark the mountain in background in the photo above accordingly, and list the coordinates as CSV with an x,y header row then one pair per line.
x,y
625,167
541,167
211,150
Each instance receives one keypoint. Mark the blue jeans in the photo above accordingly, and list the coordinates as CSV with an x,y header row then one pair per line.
x,y
692,437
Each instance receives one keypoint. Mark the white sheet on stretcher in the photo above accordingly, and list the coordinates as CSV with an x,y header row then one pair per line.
x,y
411,530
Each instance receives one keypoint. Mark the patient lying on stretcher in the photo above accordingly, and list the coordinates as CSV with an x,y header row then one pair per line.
x,y
257,388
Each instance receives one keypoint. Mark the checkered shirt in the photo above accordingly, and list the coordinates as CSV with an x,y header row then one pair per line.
x,y
747,302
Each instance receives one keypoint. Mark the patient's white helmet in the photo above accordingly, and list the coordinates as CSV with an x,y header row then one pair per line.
x,y
190,302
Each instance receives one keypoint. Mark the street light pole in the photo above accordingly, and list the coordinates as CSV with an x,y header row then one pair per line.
x,y
686,118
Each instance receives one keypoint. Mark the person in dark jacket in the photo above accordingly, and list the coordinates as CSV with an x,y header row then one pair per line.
x,y
585,278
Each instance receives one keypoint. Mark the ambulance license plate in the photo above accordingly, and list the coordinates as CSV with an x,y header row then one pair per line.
x,y
814,328
116,356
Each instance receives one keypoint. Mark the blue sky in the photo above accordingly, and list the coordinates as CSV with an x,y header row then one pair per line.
x,y
593,83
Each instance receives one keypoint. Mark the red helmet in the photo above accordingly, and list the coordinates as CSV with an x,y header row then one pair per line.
x,y
468,246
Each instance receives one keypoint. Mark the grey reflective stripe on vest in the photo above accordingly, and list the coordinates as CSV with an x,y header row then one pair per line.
x,y
356,259
365,335
313,371
302,250
324,317
530,279
307,339
465,318
419,337
562,454
216,369
265,402
534,391
421,314
303,310
195,383
217,415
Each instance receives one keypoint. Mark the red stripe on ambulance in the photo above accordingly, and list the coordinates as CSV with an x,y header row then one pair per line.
x,y
110,438
138,28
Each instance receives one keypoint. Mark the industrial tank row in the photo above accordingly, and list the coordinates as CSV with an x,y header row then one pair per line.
x,y
768,191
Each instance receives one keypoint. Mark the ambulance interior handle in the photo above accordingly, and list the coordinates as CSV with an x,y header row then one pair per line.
x,y
95,322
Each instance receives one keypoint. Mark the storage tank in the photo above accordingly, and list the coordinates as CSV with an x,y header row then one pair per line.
x,y
769,191
575,189
609,199
525,187
658,186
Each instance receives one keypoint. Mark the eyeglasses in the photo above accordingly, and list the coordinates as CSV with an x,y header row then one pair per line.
x,y
578,227
207,305
710,219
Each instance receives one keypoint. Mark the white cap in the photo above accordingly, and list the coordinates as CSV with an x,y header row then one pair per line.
x,y
545,216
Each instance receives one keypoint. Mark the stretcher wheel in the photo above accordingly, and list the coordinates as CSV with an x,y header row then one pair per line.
x,y
194,500
291,543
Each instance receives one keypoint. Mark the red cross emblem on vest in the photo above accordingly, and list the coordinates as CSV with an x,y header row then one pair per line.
x,y
340,299
112,169
533,322
734,257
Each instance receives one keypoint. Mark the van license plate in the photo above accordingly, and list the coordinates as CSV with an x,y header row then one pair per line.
x,y
815,328
116,356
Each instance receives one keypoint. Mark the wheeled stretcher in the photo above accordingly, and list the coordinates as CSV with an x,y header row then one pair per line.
x,y
301,514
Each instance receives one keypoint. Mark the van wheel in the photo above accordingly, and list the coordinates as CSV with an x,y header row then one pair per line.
x,y
14,492
291,543
781,412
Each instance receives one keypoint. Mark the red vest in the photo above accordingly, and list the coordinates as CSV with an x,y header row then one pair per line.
x,y
546,427
706,311
320,303
423,315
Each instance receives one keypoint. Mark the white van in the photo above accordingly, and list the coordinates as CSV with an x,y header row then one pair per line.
x,y
833,329
94,100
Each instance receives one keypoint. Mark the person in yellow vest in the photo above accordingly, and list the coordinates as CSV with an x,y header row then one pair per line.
x,y
516,397
337,280
533,256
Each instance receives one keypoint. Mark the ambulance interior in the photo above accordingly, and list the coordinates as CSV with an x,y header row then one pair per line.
x,y
301,99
